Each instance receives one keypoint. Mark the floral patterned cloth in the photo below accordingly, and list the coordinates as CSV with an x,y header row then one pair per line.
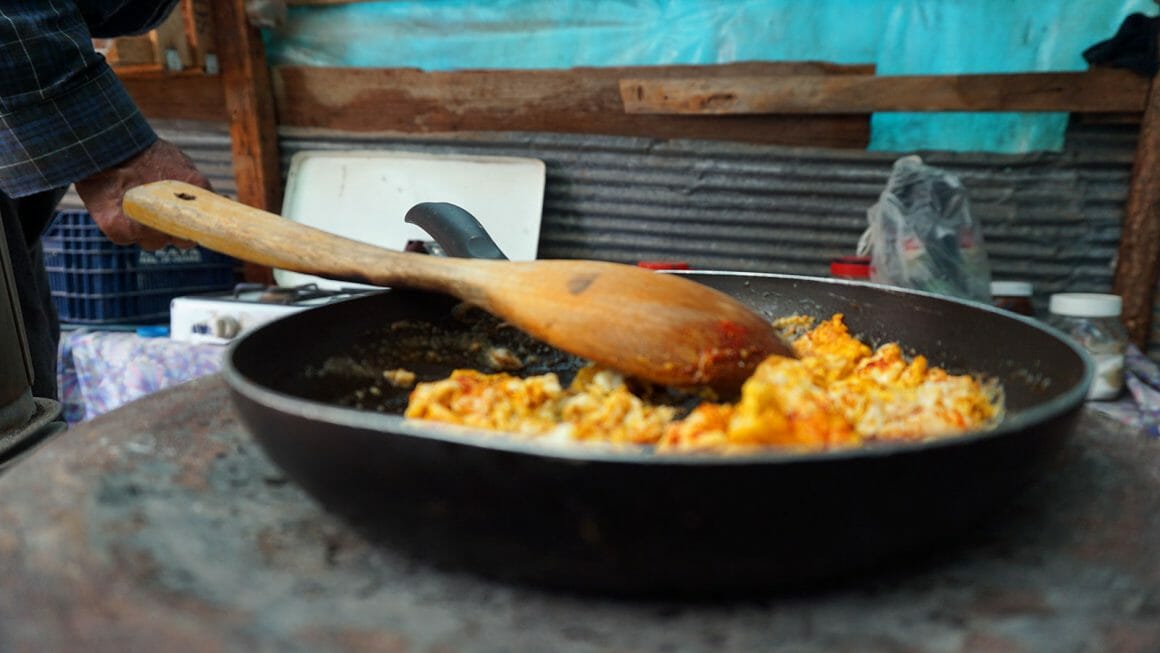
x,y
101,370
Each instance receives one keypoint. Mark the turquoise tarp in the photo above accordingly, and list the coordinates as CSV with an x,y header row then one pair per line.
x,y
901,37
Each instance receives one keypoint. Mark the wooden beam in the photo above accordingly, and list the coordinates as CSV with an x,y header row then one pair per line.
x,y
1126,119
1138,262
249,104
579,100
199,29
176,96
171,35
1105,90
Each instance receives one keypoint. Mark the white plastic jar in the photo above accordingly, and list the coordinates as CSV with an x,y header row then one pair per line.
x,y
1093,321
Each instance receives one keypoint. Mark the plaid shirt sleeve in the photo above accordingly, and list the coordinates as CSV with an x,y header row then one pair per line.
x,y
64,115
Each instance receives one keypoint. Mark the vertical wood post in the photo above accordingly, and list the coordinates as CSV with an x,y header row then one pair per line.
x,y
250,106
1138,263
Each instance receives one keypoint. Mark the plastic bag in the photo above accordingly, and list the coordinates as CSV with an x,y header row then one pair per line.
x,y
921,234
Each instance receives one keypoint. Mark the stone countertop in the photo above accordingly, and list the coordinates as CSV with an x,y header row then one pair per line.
x,y
162,526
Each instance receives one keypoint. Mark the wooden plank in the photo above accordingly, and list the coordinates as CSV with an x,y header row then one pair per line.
x,y
199,28
249,105
1131,119
132,51
183,96
1138,262
171,35
579,100
1096,91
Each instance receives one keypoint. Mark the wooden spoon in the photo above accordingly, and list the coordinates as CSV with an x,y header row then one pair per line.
x,y
657,327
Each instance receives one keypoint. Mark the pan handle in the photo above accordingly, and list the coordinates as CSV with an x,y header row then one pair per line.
x,y
456,230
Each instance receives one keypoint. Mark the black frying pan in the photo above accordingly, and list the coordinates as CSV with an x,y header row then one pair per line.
x,y
639,521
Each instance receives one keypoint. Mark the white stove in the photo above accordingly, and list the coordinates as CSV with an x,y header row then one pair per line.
x,y
220,317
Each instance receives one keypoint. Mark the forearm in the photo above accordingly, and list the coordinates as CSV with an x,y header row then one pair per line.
x,y
64,115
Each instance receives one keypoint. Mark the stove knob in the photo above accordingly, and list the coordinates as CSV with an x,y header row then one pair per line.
x,y
226,327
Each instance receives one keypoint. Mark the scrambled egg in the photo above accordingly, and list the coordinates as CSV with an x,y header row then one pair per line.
x,y
837,393
597,406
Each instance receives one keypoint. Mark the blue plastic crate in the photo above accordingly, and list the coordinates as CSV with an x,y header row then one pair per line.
x,y
94,281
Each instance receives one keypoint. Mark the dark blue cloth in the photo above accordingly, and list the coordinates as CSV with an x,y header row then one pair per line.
x,y
63,113
63,116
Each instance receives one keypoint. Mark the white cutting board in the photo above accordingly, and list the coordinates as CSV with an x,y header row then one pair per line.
x,y
364,195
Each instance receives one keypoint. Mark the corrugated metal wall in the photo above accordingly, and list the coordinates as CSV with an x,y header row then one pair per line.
x,y
1049,218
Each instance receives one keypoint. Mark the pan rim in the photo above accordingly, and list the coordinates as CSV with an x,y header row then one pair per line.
x,y
393,425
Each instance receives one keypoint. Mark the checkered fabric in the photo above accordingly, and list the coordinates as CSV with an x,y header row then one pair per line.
x,y
64,115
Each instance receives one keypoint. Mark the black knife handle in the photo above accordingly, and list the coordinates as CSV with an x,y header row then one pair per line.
x,y
457,231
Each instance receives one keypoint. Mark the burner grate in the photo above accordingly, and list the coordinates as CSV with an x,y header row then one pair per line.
x,y
285,295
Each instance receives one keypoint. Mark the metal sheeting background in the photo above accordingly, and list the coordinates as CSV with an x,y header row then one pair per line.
x,y
1050,218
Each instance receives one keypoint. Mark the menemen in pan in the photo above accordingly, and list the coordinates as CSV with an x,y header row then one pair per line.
x,y
838,393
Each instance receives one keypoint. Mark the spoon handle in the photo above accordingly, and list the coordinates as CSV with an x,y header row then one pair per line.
x,y
257,236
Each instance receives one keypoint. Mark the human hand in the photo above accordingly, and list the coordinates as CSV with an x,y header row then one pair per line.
x,y
102,193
